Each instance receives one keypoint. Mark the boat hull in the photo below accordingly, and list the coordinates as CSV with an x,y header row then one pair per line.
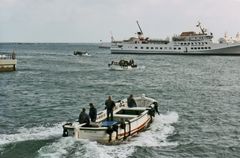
x,y
120,68
216,49
123,126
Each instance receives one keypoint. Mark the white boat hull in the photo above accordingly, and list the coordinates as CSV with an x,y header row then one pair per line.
x,y
120,68
214,49
125,126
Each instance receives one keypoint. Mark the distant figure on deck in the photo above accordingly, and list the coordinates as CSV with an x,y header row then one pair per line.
x,y
110,104
84,118
92,112
131,102
13,55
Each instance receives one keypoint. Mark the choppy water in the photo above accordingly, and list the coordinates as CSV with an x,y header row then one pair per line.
x,y
199,100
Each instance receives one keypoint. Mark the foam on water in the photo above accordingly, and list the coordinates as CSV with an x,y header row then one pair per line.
x,y
57,149
158,132
35,133
155,136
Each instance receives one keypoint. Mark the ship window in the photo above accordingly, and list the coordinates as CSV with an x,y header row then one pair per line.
x,y
151,47
192,43
179,48
188,43
141,47
195,48
170,47
191,47
147,47
209,47
205,42
205,47
136,47
202,47
156,47
160,47
199,48
174,48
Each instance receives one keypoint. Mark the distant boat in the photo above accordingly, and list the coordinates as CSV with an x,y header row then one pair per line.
x,y
122,65
126,123
81,53
104,44
187,43
8,61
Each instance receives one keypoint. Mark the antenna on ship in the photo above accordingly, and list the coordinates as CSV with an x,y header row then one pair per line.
x,y
139,33
203,30
112,38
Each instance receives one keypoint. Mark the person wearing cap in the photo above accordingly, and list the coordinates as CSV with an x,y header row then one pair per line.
x,y
92,112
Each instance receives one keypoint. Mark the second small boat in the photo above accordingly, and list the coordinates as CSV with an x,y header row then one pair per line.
x,y
81,53
122,65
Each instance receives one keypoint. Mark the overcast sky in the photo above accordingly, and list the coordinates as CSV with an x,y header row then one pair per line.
x,y
93,20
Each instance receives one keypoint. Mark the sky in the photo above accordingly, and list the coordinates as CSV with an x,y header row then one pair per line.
x,y
89,21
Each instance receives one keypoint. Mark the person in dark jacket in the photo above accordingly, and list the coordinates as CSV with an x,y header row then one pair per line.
x,y
84,118
110,104
92,112
131,102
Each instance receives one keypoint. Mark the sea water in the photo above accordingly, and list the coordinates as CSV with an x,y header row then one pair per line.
x,y
198,98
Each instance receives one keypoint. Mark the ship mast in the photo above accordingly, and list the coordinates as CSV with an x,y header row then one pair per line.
x,y
203,30
139,29
140,34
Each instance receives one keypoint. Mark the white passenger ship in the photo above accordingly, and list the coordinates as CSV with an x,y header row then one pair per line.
x,y
187,43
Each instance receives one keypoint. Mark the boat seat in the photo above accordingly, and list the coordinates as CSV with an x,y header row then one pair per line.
x,y
124,116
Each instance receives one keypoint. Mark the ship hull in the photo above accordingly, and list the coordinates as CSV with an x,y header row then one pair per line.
x,y
216,49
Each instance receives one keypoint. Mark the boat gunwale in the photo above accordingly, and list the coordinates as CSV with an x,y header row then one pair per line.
x,y
136,118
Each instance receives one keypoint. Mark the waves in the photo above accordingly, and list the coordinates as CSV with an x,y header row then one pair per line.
x,y
35,133
155,136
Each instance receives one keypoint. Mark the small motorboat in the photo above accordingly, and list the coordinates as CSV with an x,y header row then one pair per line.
x,y
81,53
127,122
122,65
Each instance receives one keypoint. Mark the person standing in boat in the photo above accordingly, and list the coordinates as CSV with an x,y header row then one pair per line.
x,y
92,112
84,118
131,102
110,104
